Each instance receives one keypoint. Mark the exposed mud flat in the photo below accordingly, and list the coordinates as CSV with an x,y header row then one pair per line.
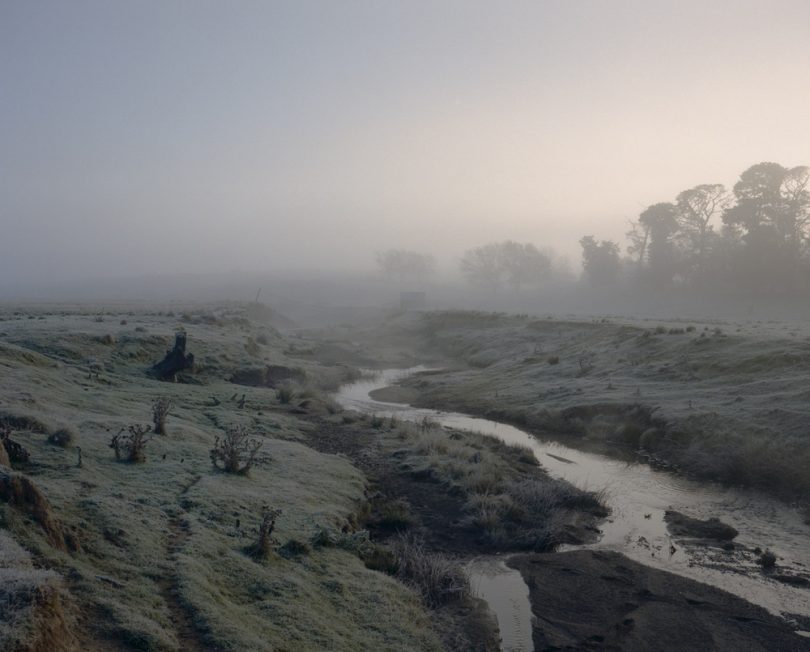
x,y
587,599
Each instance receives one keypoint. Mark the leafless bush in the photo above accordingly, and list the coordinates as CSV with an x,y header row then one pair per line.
x,y
266,542
439,579
236,451
160,410
129,443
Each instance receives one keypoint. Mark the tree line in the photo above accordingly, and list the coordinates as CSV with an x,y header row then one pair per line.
x,y
755,238
492,266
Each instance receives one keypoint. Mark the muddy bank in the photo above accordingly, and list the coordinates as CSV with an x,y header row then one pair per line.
x,y
395,394
589,600
682,525
640,497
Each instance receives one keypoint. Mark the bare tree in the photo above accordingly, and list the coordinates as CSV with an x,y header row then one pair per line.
x,y
517,264
523,264
482,266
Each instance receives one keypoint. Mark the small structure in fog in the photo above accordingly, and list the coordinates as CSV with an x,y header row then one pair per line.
x,y
412,300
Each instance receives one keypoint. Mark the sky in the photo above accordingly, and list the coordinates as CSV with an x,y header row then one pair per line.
x,y
153,137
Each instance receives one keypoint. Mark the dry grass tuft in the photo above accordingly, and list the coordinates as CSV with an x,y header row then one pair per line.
x,y
439,579
160,410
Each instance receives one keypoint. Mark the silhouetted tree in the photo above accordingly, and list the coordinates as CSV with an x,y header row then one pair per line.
x,y
523,264
639,237
696,208
482,266
600,261
517,264
770,219
661,221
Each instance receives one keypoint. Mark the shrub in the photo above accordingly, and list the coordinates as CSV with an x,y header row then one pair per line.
x,y
437,578
266,542
767,559
293,548
236,451
160,410
285,394
64,437
553,359
129,443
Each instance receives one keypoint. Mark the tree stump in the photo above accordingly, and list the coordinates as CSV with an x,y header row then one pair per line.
x,y
176,360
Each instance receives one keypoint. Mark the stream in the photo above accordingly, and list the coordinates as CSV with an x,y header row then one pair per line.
x,y
637,495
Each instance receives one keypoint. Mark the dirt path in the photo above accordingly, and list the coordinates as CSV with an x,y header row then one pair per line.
x,y
188,635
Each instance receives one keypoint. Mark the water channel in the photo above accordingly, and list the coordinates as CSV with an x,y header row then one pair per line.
x,y
638,495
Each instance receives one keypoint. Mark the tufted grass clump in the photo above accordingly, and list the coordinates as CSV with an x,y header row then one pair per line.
x,y
160,411
437,578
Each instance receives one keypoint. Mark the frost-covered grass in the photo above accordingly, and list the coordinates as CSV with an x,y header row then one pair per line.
x,y
721,401
169,536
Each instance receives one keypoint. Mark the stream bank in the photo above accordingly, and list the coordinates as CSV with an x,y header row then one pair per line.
x,y
639,497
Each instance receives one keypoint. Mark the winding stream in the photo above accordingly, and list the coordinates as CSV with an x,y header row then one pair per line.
x,y
638,496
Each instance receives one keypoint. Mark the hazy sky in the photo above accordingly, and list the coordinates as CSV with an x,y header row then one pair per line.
x,y
189,135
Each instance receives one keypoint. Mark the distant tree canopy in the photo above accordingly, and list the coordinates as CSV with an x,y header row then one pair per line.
x,y
402,265
512,263
756,238
600,261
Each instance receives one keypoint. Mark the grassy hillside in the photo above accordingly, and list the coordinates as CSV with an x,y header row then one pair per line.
x,y
725,402
158,555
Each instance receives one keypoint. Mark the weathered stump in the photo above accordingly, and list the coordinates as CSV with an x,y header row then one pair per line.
x,y
176,360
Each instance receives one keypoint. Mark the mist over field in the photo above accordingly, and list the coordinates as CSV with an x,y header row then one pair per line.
x,y
412,325
143,139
